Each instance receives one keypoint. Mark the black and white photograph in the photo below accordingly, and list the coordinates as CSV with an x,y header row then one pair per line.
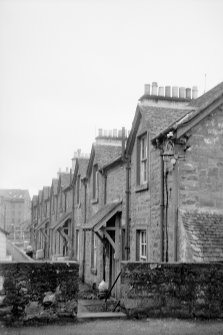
x,y
111,173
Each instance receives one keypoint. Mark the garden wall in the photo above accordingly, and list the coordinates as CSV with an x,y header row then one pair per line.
x,y
172,290
38,291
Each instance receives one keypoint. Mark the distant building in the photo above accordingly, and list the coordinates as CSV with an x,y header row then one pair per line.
x,y
3,245
15,213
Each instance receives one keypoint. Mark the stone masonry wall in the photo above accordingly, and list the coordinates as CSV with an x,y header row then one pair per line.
x,y
201,174
172,290
139,201
154,238
38,291
116,183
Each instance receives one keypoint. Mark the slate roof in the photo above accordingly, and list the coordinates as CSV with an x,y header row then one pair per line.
x,y
55,186
40,195
106,153
158,118
35,200
46,192
207,98
103,213
14,194
83,163
65,179
204,233
102,155
196,105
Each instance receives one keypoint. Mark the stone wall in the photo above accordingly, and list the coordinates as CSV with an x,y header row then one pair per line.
x,y
201,173
172,290
38,291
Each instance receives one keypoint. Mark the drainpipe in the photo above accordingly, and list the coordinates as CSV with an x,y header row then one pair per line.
x,y
162,208
166,214
105,186
105,201
49,230
127,217
85,219
73,251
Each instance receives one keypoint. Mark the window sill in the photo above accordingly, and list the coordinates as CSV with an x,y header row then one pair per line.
x,y
94,271
94,201
141,188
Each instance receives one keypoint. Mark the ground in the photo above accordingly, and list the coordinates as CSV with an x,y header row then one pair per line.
x,y
118,327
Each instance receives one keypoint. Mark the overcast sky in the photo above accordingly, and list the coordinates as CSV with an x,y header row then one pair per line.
x,y
68,68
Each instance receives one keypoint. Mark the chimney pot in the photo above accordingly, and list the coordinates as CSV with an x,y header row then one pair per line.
x,y
182,92
194,92
120,133
115,132
188,93
161,91
110,133
147,89
175,92
154,88
100,132
168,91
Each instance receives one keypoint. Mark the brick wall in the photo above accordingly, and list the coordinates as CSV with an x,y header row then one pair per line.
x,y
38,291
172,290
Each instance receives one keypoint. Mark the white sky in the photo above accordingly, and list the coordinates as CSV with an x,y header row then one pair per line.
x,y
68,68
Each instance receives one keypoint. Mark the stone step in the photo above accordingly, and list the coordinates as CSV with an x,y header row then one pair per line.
x,y
101,315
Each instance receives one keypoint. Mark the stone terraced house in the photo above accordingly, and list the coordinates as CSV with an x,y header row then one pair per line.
x,y
156,195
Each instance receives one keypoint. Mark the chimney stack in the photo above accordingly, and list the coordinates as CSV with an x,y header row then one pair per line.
x,y
147,89
188,93
194,92
174,92
100,132
115,133
161,91
154,88
182,92
168,91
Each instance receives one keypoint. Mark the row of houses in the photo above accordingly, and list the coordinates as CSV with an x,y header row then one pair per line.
x,y
154,194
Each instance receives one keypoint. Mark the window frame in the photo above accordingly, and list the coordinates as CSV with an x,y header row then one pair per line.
x,y
142,159
95,182
78,186
141,243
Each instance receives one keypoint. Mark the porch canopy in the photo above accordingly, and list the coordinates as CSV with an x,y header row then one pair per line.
x,y
42,224
100,219
61,222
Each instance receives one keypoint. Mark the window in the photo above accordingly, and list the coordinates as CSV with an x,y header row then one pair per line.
x,y
142,160
93,251
141,245
78,188
95,182
77,245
